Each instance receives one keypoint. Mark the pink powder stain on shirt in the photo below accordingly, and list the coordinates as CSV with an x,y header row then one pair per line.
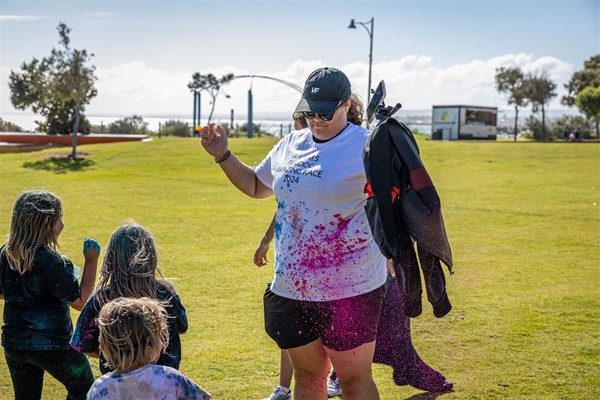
x,y
330,247
301,285
327,248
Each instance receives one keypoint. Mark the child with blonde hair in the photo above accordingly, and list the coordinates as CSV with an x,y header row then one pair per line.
x,y
38,284
133,334
130,269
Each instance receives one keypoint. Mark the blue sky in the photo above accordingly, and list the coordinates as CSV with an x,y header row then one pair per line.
x,y
428,52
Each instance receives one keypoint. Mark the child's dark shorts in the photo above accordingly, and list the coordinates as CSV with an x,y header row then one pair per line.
x,y
340,324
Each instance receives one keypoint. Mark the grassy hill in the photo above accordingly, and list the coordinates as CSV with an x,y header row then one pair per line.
x,y
523,220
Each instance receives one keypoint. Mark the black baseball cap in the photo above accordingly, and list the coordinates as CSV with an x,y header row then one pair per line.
x,y
323,91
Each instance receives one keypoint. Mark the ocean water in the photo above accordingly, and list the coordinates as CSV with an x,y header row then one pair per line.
x,y
280,123
273,126
277,127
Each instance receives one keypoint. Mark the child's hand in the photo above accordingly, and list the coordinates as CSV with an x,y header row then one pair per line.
x,y
389,265
91,249
260,255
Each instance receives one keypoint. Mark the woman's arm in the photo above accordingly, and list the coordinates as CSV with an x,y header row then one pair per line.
x,y
242,176
91,252
260,255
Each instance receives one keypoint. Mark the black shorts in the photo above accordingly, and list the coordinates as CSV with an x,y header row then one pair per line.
x,y
340,324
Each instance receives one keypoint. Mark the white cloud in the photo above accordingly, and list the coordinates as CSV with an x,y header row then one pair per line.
x,y
417,83
414,81
21,17
133,88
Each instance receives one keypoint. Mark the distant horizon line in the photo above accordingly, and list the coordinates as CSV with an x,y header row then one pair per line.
x,y
277,115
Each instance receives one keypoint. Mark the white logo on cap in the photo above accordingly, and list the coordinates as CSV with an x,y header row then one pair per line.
x,y
314,90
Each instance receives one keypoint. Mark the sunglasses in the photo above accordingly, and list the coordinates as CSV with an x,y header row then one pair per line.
x,y
325,117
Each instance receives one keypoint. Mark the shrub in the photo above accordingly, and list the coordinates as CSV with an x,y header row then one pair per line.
x,y
6,126
134,125
175,128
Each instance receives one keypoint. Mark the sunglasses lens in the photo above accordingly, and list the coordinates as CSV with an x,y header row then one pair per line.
x,y
325,117
311,115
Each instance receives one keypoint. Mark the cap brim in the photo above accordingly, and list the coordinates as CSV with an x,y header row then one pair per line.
x,y
317,106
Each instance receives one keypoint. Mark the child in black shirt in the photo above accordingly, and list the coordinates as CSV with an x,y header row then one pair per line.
x,y
38,284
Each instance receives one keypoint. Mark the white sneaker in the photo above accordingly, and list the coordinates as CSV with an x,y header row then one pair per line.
x,y
280,393
333,387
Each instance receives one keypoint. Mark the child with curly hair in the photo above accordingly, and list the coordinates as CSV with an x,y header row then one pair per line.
x,y
133,335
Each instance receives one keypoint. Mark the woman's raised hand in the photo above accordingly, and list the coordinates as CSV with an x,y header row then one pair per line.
x,y
214,140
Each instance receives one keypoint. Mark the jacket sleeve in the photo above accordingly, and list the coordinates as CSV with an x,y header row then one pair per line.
x,y
420,209
420,204
386,227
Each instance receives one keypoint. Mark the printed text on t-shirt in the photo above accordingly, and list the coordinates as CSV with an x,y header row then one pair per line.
x,y
300,165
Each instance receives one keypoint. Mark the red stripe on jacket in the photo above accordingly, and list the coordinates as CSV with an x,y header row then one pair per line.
x,y
395,192
419,179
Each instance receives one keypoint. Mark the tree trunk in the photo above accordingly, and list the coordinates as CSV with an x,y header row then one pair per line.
x,y
76,125
543,123
516,119
212,109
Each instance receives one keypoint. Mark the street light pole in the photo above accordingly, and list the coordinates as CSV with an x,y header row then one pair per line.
x,y
370,32
250,96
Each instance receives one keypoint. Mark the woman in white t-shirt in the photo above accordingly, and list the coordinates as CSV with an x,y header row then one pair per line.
x,y
326,295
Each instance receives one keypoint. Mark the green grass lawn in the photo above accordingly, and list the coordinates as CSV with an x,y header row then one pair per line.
x,y
523,221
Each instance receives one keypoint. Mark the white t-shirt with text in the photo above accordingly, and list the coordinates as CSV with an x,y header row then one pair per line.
x,y
324,249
